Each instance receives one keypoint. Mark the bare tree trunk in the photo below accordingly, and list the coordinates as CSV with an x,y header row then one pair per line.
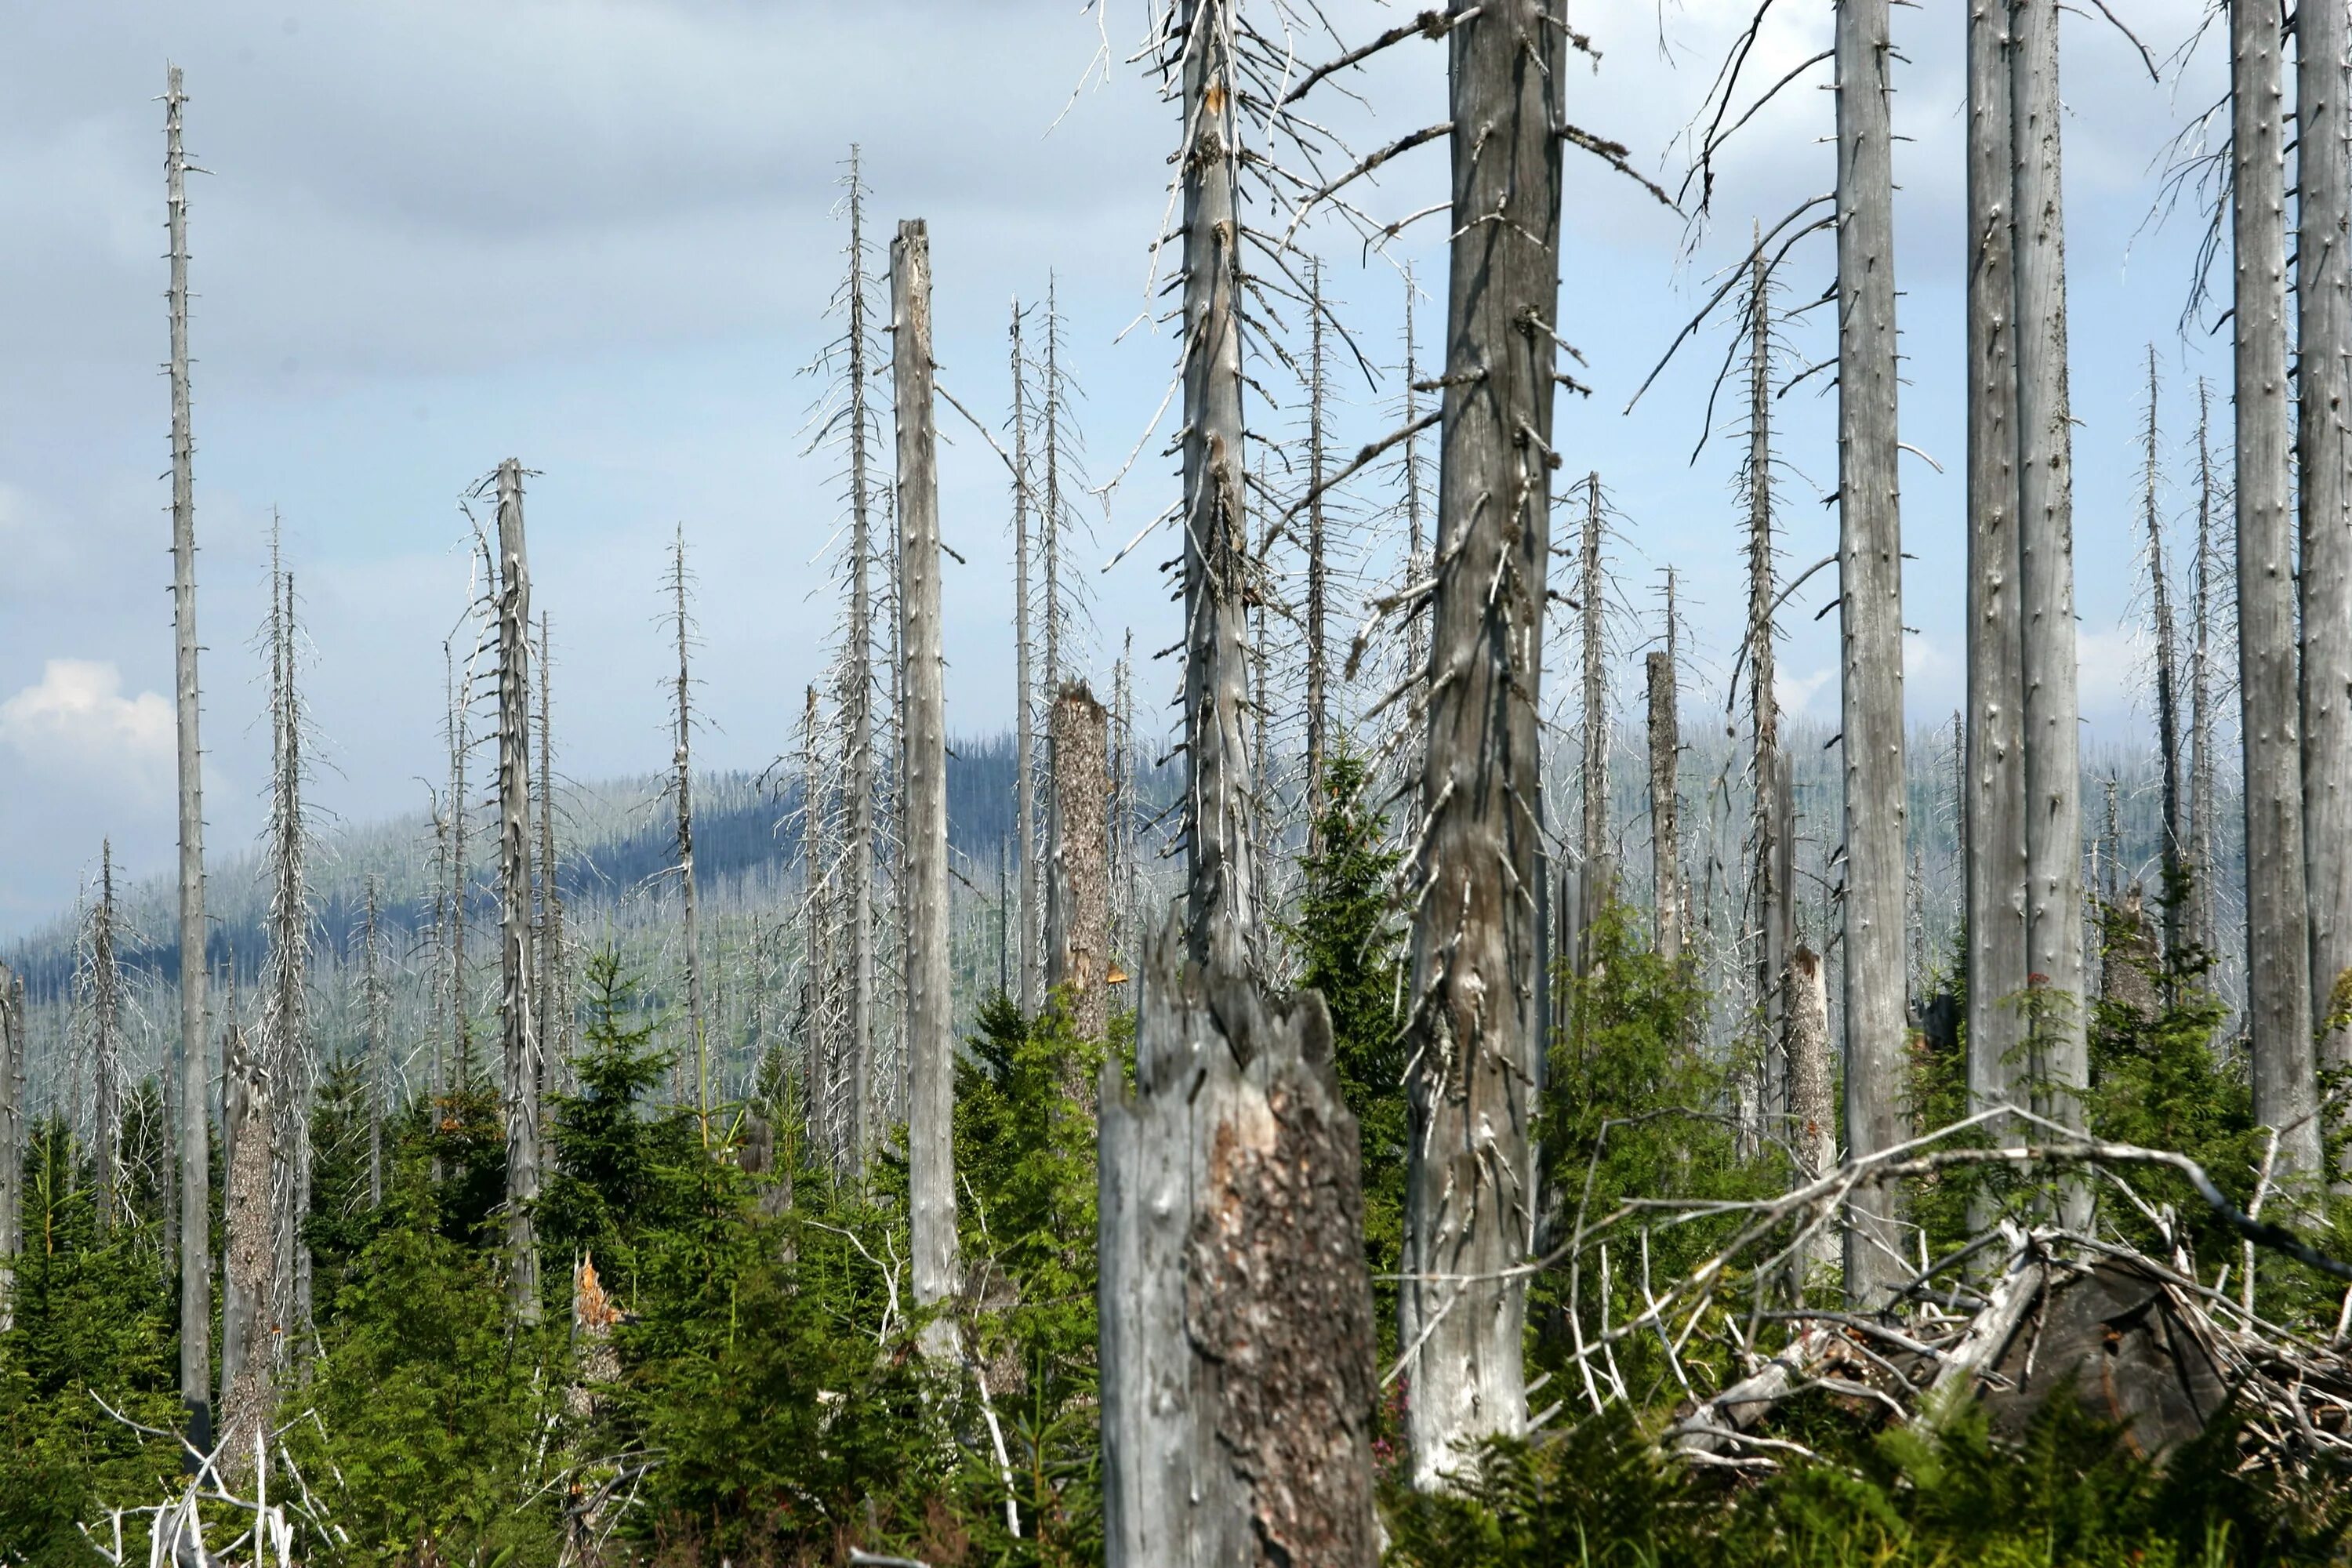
x,y
1049,511
1237,1379
519,1035
1235,1313
2168,680
1812,1110
12,1138
2322,386
285,1061
249,1310
461,1022
860,848
1472,1024
1665,845
930,1003
196,1230
696,1055
553,1009
1079,902
1600,862
105,1024
1871,616
2278,950
1221,890
1317,571
1770,894
2201,766
1024,709
376,1001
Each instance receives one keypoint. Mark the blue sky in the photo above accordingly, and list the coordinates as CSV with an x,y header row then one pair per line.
x,y
597,235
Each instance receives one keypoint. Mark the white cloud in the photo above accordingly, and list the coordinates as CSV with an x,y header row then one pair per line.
x,y
76,723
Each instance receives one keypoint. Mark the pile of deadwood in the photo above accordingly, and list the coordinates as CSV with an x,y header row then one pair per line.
x,y
2014,1318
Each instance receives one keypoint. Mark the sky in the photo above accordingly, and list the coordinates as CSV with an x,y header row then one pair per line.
x,y
601,235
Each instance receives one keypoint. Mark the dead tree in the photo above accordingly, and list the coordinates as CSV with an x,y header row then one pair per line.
x,y
459,1072
1318,567
249,1307
1665,806
2323,383
931,1002
1870,548
2278,951
696,1055
1996,870
2168,681
1024,712
285,1056
1236,1316
1078,950
1599,862
1772,912
196,1229
12,1136
106,1042
518,1035
2202,763
1812,1110
552,1009
1049,510
375,1003
1472,1020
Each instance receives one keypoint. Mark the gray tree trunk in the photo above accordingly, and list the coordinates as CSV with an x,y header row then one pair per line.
x,y
2278,950
375,1000
1078,905
554,1008
1237,1377
2201,700
1024,709
2322,386
195,1229
1870,549
931,1001
860,849
106,1044
1317,570
696,1058
1599,859
286,1062
518,1035
1220,887
2168,679
11,1137
2045,483
1472,1024
1812,1108
1235,1313
1665,843
1770,894
250,1323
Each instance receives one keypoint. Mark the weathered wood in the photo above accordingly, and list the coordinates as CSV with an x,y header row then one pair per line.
x,y
858,850
285,1061
1870,566
519,1033
2203,767
1220,827
1078,903
1237,1376
2278,951
1771,907
1318,578
2168,677
1024,709
375,1003
2323,384
1471,1029
1812,1110
1592,589
106,1042
12,1135
931,1002
196,1229
696,1058
1665,806
249,1306
554,1008
2045,480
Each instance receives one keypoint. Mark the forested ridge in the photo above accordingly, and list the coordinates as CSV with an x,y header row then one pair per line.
x,y
1424,1069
